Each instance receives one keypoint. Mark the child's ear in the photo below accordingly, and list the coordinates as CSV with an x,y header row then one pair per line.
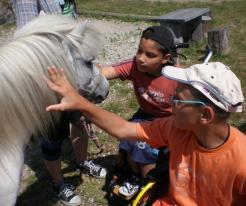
x,y
207,115
166,58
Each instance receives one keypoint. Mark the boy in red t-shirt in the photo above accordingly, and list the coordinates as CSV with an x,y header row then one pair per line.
x,y
207,155
153,92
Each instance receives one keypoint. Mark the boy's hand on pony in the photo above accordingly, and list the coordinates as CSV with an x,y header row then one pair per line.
x,y
59,83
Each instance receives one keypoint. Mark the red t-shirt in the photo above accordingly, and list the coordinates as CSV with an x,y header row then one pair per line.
x,y
153,93
199,176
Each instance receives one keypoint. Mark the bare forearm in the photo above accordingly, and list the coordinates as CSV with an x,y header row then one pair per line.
x,y
108,72
107,121
71,100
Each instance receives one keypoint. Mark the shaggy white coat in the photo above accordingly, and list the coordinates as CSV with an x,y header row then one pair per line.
x,y
45,41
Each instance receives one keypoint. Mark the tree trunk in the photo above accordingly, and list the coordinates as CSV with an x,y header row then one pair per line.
x,y
218,40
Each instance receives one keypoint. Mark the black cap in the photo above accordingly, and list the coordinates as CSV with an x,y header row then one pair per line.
x,y
161,35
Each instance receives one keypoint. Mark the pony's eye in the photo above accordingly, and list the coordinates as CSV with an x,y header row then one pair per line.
x,y
89,63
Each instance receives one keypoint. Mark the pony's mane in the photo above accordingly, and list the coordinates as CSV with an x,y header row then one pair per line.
x,y
90,40
23,64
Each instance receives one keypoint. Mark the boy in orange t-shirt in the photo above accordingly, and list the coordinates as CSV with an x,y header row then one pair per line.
x,y
207,158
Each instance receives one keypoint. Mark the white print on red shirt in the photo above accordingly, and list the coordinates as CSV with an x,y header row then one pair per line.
x,y
153,95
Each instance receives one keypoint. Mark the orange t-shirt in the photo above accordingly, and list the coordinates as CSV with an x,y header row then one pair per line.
x,y
199,176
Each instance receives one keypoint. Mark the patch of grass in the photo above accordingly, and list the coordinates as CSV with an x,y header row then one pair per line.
x,y
4,27
4,2
134,6
123,100
230,14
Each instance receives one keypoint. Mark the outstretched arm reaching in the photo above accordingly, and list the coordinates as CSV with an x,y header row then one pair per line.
x,y
71,100
108,71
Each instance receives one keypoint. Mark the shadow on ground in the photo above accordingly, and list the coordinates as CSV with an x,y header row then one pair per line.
x,y
37,188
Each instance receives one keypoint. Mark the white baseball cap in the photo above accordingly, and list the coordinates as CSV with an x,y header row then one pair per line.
x,y
214,80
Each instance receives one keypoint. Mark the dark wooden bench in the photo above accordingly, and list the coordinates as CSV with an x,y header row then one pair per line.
x,y
186,24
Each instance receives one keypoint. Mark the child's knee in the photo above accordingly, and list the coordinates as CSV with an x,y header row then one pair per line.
x,y
51,150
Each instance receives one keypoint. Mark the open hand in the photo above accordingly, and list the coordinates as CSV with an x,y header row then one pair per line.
x,y
59,83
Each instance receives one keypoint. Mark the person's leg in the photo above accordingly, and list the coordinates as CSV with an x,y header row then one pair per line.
x,y
144,156
54,170
124,166
140,169
51,152
131,183
51,147
79,142
79,139
134,153
24,11
49,6
121,160
142,161
135,167
145,168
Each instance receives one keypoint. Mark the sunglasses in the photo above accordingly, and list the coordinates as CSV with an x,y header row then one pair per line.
x,y
176,102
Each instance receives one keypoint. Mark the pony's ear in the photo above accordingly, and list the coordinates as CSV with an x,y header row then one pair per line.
x,y
78,30
42,13
87,39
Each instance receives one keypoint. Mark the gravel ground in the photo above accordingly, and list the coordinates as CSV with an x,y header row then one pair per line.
x,y
120,39
6,35
116,34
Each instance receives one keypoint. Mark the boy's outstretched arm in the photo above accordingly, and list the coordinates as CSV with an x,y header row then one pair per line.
x,y
108,72
71,100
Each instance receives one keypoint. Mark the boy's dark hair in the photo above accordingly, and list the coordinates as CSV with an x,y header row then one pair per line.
x,y
163,36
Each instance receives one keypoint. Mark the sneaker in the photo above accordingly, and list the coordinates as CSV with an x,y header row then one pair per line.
x,y
89,167
129,188
66,195
57,187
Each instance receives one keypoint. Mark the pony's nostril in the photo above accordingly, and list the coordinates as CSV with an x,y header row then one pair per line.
x,y
100,98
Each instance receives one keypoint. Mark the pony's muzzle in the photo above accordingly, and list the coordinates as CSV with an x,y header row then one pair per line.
x,y
100,98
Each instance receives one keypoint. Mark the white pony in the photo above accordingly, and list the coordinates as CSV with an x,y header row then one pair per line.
x,y
46,41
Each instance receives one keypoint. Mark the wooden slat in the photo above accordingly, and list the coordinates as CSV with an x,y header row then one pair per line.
x,y
182,15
